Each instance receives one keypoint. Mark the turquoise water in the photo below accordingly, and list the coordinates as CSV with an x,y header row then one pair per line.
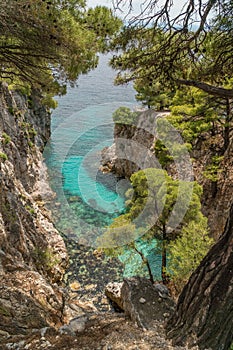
x,y
73,157
88,200
103,197
133,262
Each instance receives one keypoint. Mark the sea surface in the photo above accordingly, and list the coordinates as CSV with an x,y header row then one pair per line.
x,y
86,200
81,127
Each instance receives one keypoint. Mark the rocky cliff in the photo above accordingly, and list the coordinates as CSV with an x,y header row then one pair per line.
x,y
125,157
217,195
32,254
33,257
133,147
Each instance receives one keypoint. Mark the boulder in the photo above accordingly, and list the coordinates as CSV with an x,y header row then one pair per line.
x,y
144,302
113,292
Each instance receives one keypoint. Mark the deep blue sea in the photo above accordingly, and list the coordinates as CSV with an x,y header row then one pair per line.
x,y
82,126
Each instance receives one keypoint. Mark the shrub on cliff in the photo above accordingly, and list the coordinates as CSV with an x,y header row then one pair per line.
x,y
124,115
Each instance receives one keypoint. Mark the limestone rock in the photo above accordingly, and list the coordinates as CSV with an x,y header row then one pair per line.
x,y
78,324
144,302
162,290
132,146
113,292
33,256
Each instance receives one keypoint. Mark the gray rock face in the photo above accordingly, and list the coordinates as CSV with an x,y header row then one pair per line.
x,y
33,255
146,303
162,290
133,146
78,324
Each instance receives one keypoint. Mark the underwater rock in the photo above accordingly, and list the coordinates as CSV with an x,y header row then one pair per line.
x,y
74,286
74,199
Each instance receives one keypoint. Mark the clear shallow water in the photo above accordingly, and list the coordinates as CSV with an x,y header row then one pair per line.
x,y
81,127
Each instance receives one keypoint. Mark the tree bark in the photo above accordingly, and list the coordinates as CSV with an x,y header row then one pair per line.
x,y
204,313
227,127
210,89
164,274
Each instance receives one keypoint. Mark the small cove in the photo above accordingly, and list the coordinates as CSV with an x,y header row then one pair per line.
x,y
87,200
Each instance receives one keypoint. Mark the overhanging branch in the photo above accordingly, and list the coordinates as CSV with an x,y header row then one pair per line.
x,y
210,89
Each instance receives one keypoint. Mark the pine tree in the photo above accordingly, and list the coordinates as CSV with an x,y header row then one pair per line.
x,y
49,43
153,197
175,53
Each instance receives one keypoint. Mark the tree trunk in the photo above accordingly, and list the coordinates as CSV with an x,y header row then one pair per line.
x,y
146,262
164,274
204,313
227,128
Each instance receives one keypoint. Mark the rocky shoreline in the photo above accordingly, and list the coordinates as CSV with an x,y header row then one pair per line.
x,y
88,274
